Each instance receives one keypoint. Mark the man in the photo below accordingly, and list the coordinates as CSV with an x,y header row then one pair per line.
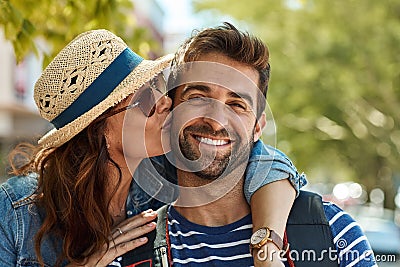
x,y
222,78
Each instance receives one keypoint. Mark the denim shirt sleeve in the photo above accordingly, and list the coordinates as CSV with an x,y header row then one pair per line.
x,y
8,230
268,164
19,223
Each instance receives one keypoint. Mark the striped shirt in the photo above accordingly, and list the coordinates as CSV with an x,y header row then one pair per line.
x,y
197,245
353,248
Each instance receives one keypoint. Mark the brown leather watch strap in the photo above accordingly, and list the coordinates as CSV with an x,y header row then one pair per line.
x,y
276,239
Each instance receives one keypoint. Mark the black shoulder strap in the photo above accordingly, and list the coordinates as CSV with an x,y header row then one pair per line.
x,y
309,233
161,229
147,255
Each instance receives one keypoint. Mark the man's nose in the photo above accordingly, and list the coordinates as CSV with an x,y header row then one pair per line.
x,y
216,116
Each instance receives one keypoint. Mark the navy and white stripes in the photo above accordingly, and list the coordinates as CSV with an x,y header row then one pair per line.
x,y
353,248
196,245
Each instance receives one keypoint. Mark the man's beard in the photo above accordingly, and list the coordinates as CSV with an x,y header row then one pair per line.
x,y
213,166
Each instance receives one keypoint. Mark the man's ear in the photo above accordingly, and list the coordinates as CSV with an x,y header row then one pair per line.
x,y
260,125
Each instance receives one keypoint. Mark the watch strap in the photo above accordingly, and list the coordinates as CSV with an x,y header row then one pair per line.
x,y
276,239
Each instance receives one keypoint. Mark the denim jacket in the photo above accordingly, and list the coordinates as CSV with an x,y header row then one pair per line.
x,y
20,218
19,221
268,164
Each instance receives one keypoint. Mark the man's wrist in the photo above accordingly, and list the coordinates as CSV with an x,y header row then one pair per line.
x,y
264,235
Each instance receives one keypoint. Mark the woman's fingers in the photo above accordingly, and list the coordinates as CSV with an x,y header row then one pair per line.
x,y
132,223
132,234
120,249
126,236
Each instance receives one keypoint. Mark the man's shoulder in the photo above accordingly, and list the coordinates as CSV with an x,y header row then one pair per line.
x,y
350,240
339,219
333,211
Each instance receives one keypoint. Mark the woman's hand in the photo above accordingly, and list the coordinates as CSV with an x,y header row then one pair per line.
x,y
124,237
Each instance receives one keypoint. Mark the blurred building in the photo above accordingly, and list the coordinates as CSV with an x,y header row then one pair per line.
x,y
19,118
150,15
180,22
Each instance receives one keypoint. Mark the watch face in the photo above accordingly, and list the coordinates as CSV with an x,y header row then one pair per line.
x,y
258,236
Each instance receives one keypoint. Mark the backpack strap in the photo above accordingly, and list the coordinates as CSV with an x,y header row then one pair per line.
x,y
309,233
161,228
150,254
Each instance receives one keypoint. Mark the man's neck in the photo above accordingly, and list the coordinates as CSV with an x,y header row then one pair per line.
x,y
212,203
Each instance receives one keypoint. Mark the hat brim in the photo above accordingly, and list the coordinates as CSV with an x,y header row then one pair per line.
x,y
146,70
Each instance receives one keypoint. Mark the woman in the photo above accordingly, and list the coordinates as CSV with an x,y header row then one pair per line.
x,y
67,202
78,168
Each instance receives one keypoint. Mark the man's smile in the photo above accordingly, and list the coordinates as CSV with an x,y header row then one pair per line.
x,y
212,140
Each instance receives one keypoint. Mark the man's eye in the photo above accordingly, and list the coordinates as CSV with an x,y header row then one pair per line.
x,y
238,106
197,99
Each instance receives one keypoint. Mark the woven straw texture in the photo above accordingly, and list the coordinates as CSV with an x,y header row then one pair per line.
x,y
74,69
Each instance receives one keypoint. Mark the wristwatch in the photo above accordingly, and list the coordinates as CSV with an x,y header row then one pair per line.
x,y
263,235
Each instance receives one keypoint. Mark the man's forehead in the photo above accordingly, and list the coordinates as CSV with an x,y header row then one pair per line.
x,y
216,74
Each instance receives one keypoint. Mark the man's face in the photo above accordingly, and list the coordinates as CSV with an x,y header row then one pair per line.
x,y
215,117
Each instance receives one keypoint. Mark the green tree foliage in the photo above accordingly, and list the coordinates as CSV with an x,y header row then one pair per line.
x,y
45,26
335,87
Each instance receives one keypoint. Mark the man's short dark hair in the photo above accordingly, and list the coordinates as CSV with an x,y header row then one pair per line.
x,y
228,41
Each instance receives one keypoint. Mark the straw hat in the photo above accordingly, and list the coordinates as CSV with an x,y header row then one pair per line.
x,y
94,72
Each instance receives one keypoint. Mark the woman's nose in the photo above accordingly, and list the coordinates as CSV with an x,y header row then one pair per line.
x,y
164,104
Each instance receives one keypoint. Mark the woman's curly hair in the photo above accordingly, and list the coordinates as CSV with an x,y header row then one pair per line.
x,y
73,191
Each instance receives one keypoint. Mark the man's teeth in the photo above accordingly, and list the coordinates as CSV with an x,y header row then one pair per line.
x,y
209,141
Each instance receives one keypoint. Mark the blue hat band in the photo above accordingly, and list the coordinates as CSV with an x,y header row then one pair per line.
x,y
100,88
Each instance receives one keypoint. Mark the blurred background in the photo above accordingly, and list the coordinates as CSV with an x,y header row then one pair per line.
x,y
334,91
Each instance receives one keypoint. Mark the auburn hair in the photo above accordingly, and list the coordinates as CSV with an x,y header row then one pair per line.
x,y
73,191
